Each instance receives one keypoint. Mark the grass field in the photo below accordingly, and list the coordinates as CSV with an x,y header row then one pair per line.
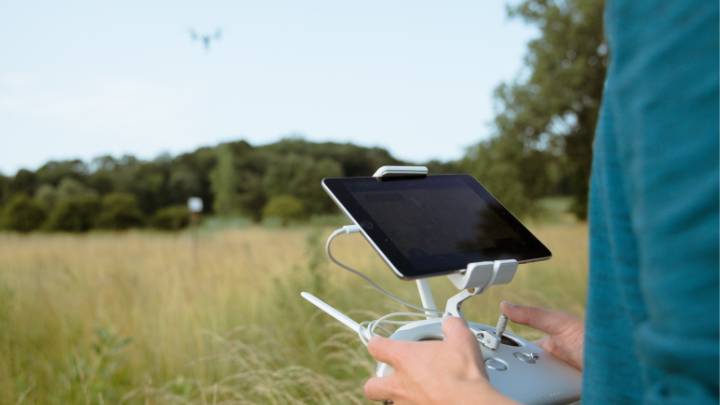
x,y
147,318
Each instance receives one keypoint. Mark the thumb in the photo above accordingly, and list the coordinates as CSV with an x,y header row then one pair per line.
x,y
456,330
547,321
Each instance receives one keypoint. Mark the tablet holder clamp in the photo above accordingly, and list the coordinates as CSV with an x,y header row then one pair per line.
x,y
471,281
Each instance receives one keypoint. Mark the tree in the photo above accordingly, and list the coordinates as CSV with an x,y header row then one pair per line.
x,y
201,162
46,195
172,218
119,211
224,182
285,207
4,182
70,187
231,179
23,214
237,180
24,182
183,183
53,171
448,167
102,176
550,113
493,163
74,214
300,176
148,182
354,160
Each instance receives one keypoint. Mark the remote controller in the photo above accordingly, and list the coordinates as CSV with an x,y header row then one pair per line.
x,y
518,369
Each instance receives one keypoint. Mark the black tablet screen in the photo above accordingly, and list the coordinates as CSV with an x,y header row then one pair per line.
x,y
436,224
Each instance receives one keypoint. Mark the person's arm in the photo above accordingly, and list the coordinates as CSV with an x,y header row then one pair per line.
x,y
435,372
665,96
675,216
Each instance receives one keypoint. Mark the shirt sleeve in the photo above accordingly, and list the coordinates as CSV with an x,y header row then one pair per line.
x,y
667,104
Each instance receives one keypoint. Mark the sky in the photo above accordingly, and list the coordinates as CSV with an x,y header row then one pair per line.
x,y
79,79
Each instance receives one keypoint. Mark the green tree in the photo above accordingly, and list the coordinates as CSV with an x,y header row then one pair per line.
x,y
449,167
24,182
172,218
354,160
70,187
230,178
285,207
74,214
494,164
183,183
549,114
225,183
4,183
300,176
23,214
119,211
237,180
46,195
200,162
53,171
148,182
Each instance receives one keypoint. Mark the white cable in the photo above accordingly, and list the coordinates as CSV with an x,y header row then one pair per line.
x,y
370,326
348,229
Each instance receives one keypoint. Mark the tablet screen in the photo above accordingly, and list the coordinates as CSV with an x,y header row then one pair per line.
x,y
434,225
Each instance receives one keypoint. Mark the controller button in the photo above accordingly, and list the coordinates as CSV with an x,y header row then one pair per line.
x,y
496,364
525,357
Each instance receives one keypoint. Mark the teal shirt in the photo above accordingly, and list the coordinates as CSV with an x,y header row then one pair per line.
x,y
652,315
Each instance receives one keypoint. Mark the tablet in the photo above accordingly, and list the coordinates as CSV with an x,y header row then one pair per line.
x,y
433,225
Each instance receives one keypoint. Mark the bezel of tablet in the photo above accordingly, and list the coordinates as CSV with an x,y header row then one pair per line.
x,y
367,228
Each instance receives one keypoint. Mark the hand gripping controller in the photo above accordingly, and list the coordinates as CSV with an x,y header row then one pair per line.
x,y
517,368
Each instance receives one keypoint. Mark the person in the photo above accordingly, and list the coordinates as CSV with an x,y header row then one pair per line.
x,y
651,328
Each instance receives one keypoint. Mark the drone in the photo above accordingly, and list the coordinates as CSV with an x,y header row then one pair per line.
x,y
206,39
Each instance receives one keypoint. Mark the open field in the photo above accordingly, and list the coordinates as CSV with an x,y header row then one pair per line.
x,y
137,317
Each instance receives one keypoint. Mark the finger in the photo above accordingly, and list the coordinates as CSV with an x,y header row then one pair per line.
x,y
539,318
387,350
545,343
379,389
462,342
456,330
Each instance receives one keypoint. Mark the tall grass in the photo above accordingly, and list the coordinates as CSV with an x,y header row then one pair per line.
x,y
157,318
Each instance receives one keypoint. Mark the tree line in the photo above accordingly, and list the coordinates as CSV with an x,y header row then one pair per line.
x,y
233,179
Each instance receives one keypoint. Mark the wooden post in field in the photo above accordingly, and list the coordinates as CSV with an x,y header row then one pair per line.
x,y
195,207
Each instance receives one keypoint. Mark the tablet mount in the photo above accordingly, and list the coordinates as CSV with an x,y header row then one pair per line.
x,y
516,367
471,281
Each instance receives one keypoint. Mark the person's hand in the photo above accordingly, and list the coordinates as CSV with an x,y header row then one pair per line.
x,y
564,332
450,371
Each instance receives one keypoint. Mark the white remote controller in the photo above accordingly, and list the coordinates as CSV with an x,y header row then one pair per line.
x,y
517,368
